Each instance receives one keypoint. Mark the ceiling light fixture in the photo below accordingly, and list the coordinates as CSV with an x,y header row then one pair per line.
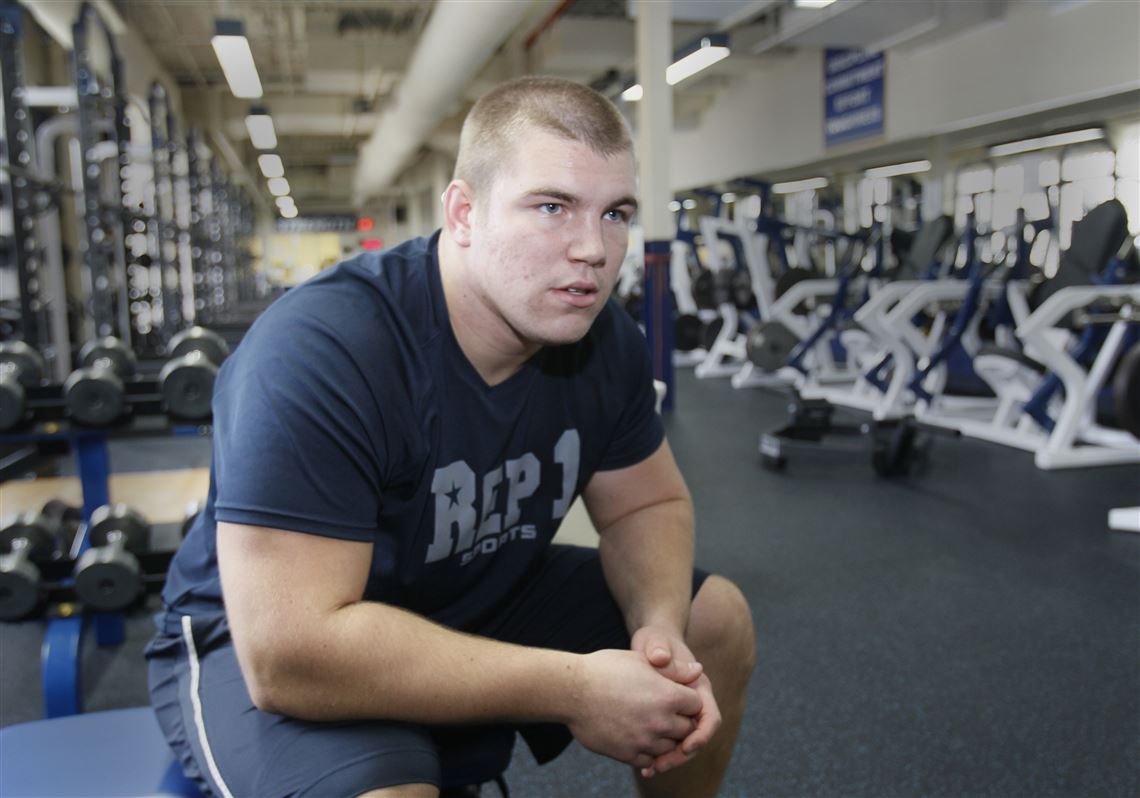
x,y
688,61
1045,142
260,126
792,187
278,186
271,165
894,170
232,48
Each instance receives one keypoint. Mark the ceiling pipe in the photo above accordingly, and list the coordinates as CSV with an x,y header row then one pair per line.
x,y
546,23
457,42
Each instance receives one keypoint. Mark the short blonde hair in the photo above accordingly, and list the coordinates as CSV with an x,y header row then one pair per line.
x,y
561,107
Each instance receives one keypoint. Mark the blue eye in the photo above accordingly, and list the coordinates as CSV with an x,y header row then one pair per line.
x,y
617,216
550,208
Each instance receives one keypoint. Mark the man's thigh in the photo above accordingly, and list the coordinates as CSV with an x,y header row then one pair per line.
x,y
235,749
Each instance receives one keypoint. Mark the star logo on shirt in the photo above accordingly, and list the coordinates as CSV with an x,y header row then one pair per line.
x,y
453,495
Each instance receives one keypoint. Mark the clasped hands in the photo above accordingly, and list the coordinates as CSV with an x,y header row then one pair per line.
x,y
651,707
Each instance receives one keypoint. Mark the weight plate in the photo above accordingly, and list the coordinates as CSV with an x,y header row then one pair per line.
x,y
187,384
33,528
742,294
11,401
704,291
687,329
121,518
199,339
94,396
111,352
723,284
107,581
769,344
22,362
19,588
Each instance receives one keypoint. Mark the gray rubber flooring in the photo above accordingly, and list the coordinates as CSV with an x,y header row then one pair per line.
x,y
968,632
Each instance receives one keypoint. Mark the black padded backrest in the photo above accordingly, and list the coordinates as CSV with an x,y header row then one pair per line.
x,y
1096,237
930,238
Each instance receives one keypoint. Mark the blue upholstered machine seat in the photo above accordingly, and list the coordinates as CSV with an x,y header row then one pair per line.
x,y
116,754
122,754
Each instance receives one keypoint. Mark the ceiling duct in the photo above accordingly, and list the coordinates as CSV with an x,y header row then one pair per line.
x,y
382,20
458,40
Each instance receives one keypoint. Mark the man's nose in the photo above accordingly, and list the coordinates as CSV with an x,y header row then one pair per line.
x,y
588,244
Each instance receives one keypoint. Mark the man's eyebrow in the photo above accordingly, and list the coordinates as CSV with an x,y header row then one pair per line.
x,y
572,199
554,193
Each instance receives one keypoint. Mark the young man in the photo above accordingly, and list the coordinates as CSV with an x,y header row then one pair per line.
x,y
396,442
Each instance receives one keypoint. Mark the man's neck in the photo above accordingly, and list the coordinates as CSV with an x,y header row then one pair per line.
x,y
493,348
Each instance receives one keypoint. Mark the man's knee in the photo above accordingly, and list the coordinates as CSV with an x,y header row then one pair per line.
x,y
720,625
404,791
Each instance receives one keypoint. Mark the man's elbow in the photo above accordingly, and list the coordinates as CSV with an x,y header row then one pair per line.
x,y
267,683
270,671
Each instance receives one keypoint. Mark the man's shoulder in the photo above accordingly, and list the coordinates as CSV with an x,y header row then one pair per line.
x,y
393,269
392,286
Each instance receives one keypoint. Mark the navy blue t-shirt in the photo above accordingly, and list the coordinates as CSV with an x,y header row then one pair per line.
x,y
350,411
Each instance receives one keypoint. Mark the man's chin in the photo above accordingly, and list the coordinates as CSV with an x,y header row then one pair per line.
x,y
565,334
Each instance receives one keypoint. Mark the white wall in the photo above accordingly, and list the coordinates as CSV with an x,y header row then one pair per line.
x,y
1034,59
1040,56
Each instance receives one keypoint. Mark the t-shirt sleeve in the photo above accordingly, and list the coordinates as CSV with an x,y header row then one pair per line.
x,y
639,431
298,438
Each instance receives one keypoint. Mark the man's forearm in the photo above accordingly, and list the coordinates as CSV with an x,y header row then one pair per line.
x,y
647,558
369,660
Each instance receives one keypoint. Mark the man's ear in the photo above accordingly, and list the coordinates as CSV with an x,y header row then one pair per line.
x,y
458,207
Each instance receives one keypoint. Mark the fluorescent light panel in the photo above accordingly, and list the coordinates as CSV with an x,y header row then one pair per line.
x,y
813,3
633,93
289,213
1045,142
285,202
271,165
894,170
727,197
261,132
706,54
278,186
232,49
799,185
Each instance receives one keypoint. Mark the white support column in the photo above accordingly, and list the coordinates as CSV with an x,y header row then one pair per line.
x,y
938,184
655,138
655,117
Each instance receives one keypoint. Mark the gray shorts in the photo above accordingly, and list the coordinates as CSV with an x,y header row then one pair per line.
x,y
231,748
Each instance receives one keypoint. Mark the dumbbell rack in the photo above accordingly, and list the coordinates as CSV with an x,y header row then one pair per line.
x,y
64,634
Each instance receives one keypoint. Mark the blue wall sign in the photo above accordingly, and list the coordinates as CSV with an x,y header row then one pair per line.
x,y
853,92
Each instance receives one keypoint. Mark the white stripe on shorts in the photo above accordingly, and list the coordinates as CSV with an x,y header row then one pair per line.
x,y
199,724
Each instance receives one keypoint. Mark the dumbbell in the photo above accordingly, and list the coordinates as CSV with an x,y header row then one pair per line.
x,y
21,367
94,393
107,576
187,380
29,539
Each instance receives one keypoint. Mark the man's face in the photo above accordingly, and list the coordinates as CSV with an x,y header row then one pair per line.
x,y
549,235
